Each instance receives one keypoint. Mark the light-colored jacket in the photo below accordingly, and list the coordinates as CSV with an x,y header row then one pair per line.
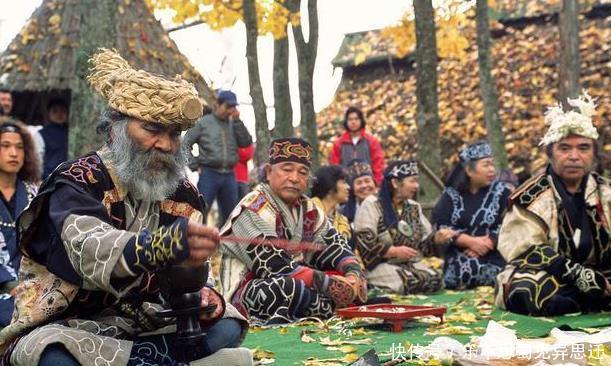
x,y
532,219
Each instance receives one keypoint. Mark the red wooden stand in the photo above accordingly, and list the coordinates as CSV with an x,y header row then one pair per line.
x,y
395,318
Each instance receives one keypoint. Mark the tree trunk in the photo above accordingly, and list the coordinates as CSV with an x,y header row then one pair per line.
x,y
306,58
569,50
427,116
254,81
488,88
97,29
282,94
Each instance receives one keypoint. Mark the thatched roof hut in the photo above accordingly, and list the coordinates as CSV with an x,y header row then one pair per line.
x,y
40,62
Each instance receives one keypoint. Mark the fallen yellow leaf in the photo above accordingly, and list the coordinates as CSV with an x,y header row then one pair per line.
x,y
306,338
350,357
311,361
449,330
326,341
347,349
462,317
259,354
361,332
507,323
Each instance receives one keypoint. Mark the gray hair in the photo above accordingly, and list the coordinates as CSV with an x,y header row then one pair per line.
x,y
106,120
149,175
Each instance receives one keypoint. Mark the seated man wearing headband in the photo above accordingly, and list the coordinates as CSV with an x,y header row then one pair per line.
x,y
556,234
274,284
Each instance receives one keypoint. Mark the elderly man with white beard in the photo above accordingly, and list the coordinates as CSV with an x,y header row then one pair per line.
x,y
102,228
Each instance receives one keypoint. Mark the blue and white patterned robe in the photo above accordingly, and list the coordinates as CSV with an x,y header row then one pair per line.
x,y
9,253
476,214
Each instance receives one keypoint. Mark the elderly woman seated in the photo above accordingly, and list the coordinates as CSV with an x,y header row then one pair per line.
x,y
392,235
468,216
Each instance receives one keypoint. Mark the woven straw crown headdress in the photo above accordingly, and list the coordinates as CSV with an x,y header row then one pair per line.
x,y
142,95
561,123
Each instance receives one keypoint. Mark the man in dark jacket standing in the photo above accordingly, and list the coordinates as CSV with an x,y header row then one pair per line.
x,y
218,136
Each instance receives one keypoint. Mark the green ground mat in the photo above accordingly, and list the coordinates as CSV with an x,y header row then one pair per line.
x,y
468,312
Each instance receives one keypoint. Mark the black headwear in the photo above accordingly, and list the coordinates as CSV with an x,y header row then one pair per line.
x,y
290,149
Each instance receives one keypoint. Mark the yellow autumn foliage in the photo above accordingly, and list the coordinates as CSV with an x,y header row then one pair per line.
x,y
273,16
451,20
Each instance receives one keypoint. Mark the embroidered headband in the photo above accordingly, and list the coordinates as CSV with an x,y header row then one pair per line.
x,y
476,151
561,123
402,169
9,127
142,95
290,149
358,168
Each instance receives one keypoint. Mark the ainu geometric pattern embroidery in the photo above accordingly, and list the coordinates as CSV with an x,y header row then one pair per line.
x,y
110,197
475,152
403,170
530,193
600,236
274,296
149,353
370,247
530,294
461,271
336,252
490,207
82,169
418,281
178,209
289,149
540,293
409,232
154,251
458,205
282,300
537,258
541,274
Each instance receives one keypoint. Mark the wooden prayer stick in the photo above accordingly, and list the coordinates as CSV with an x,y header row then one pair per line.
x,y
303,246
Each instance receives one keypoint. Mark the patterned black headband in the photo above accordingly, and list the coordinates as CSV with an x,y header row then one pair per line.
x,y
402,169
357,169
476,151
9,127
290,149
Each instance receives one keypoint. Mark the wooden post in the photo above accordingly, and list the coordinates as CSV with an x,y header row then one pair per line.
x,y
427,117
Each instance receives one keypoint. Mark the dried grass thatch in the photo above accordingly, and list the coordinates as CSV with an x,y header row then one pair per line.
x,y
42,56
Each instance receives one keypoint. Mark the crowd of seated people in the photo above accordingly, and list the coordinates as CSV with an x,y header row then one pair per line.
x,y
95,235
